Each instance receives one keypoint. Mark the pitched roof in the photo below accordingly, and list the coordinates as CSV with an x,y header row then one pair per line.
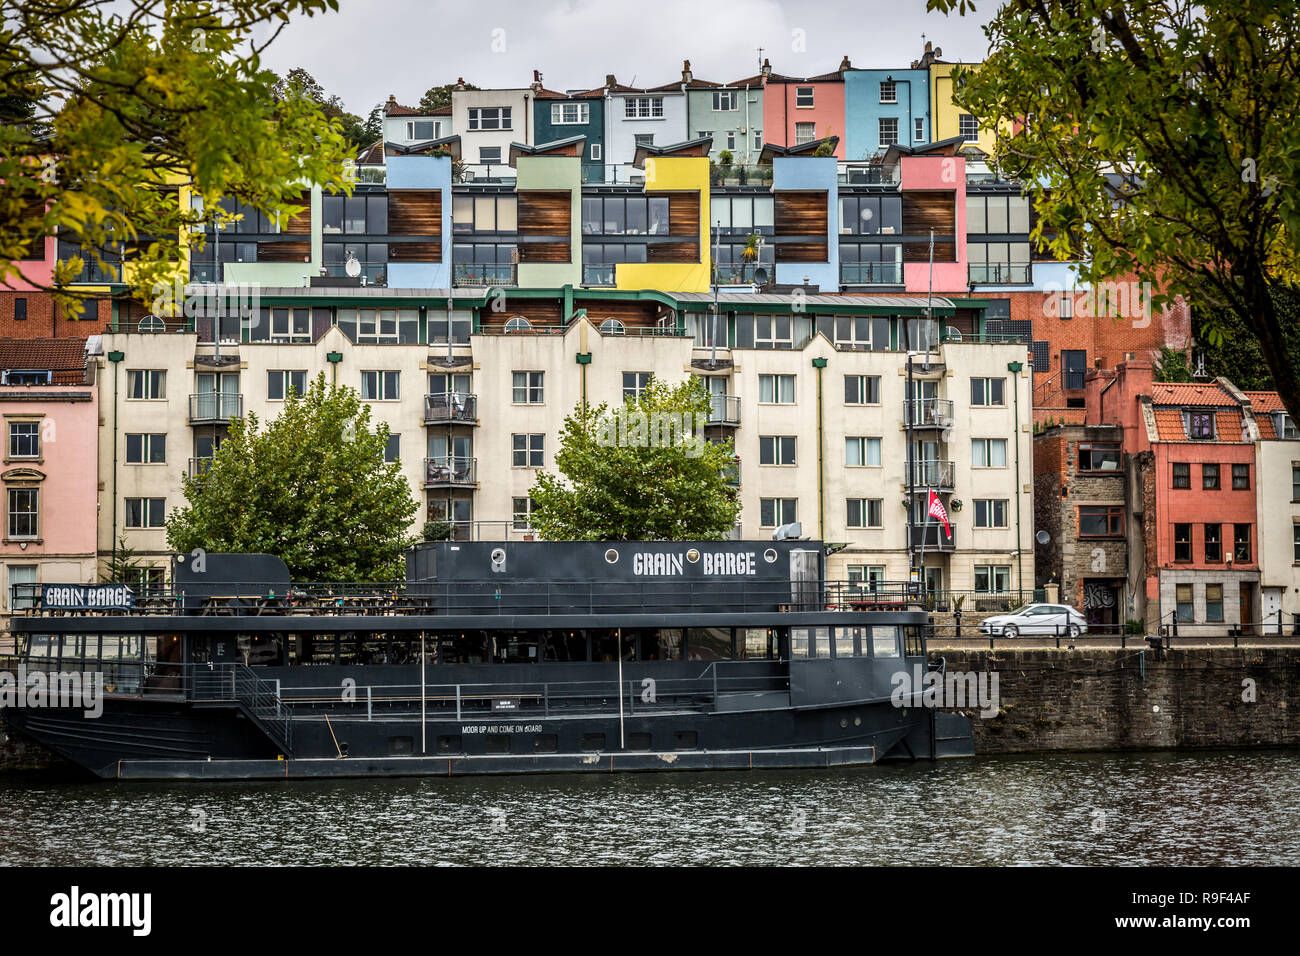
x,y
1265,402
544,94
372,155
66,358
1228,428
394,108
836,77
1196,394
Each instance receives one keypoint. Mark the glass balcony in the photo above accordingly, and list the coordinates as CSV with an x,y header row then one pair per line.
x,y
480,275
927,412
736,175
598,275
613,175
933,473
724,410
450,472
871,273
215,408
869,175
446,407
1000,273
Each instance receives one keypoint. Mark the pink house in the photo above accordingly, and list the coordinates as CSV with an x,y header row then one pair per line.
x,y
50,474
802,109
932,180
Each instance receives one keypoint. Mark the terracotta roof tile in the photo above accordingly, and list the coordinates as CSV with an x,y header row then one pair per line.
x,y
66,358
1207,394
1266,430
1266,402
397,109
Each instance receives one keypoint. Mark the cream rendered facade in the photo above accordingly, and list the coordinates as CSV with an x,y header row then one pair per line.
x,y
491,360
1277,496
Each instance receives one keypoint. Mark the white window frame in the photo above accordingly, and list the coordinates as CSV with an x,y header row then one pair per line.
x,y
503,118
866,507
988,444
581,113
799,94
146,447
35,425
283,375
780,444
643,107
533,450
891,87
145,510
778,387
382,379
863,444
812,133
918,129
639,384
151,377
996,574
880,130
522,520
725,96
966,119
532,394
595,153
863,389
991,508
35,513
986,390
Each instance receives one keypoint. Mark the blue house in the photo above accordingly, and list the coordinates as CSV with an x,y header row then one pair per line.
x,y
883,108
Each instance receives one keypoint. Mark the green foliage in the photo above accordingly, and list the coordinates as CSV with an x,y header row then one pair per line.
x,y
130,100
1172,366
825,149
622,483
357,132
122,566
439,97
725,158
1228,348
312,488
437,531
1151,144
1135,626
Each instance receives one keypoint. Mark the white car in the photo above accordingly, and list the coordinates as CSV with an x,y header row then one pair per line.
x,y
1050,619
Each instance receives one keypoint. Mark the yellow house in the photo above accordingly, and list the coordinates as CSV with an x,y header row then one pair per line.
x,y
682,265
946,116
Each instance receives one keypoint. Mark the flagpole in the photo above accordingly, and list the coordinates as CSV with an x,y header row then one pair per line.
x,y
925,529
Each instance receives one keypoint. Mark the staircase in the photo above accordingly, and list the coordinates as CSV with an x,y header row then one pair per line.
x,y
257,699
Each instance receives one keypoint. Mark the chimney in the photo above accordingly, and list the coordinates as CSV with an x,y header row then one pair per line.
x,y
686,71
536,86
766,68
460,83
845,64
610,81
392,101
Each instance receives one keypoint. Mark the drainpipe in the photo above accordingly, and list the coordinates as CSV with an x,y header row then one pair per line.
x,y
1014,368
334,358
584,357
820,365
116,359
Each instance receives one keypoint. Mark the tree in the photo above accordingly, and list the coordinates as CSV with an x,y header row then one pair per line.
x,y
630,475
439,97
1148,136
1172,366
1235,353
312,488
131,100
356,131
122,567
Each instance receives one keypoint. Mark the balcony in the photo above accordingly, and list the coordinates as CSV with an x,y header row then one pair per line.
x,y
480,276
933,536
871,273
869,175
933,473
215,408
372,273
724,410
447,408
927,412
598,275
731,474
734,175
152,324
1000,273
450,472
616,175
199,466
372,175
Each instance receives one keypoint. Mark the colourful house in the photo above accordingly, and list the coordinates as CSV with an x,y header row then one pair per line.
x,y
731,114
883,108
798,110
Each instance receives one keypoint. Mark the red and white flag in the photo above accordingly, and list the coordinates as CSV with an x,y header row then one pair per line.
x,y
936,511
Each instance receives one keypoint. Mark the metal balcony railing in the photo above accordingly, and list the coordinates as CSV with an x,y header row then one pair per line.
x,y
215,407
724,410
731,473
1001,273
475,275
933,473
450,407
372,273
871,273
450,472
199,466
933,536
869,175
613,175
738,175
927,412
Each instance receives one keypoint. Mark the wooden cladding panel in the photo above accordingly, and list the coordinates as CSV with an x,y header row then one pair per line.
x,y
301,223
923,211
673,252
684,216
920,251
415,212
800,213
802,252
631,314
545,252
545,213
283,251
415,252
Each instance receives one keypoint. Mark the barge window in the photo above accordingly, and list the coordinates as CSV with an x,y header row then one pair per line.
x,y
498,744
884,640
516,647
664,644
605,645
757,643
638,740
799,642
913,646
686,739
844,641
708,643
545,743
566,646
449,744
821,642
591,742
462,647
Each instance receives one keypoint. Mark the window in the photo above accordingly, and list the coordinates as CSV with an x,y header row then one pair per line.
x,y
1101,521
758,139
888,130
988,452
146,449
1295,543
1214,602
24,439
644,139
1295,482
884,640
624,216
634,383
353,215
805,132
861,389
968,127
643,107
523,513
144,383
22,574
725,100
1241,477
421,130
1241,543
595,152
803,97
279,381
990,512
1210,477
731,139
1199,425
1182,542
776,389
527,389
987,391
145,512
1182,474
872,575
20,309
23,512
1065,308
567,114
526,450
1285,426
862,452
383,326
518,324
773,332
489,117
1213,543
773,512
1183,602
776,450
865,512
918,130
994,578
888,91
1074,363
1099,456
381,386
489,155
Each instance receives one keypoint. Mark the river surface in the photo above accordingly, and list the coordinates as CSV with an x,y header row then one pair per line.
x,y
1204,808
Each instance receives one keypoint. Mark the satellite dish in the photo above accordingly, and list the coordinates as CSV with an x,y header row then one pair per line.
x,y
1042,537
352,267
760,276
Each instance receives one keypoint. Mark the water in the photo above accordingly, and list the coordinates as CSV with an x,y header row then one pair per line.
x,y
1153,808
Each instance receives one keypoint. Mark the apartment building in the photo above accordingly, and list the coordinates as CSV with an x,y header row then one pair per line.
x,y
1277,478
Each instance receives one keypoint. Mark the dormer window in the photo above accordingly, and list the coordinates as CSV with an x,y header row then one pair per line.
x,y
1285,426
19,376
1199,425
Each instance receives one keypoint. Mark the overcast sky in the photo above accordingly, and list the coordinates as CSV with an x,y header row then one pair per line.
x,y
372,48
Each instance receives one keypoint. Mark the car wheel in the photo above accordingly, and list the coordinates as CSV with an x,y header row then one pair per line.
x,y
1074,631
1011,631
